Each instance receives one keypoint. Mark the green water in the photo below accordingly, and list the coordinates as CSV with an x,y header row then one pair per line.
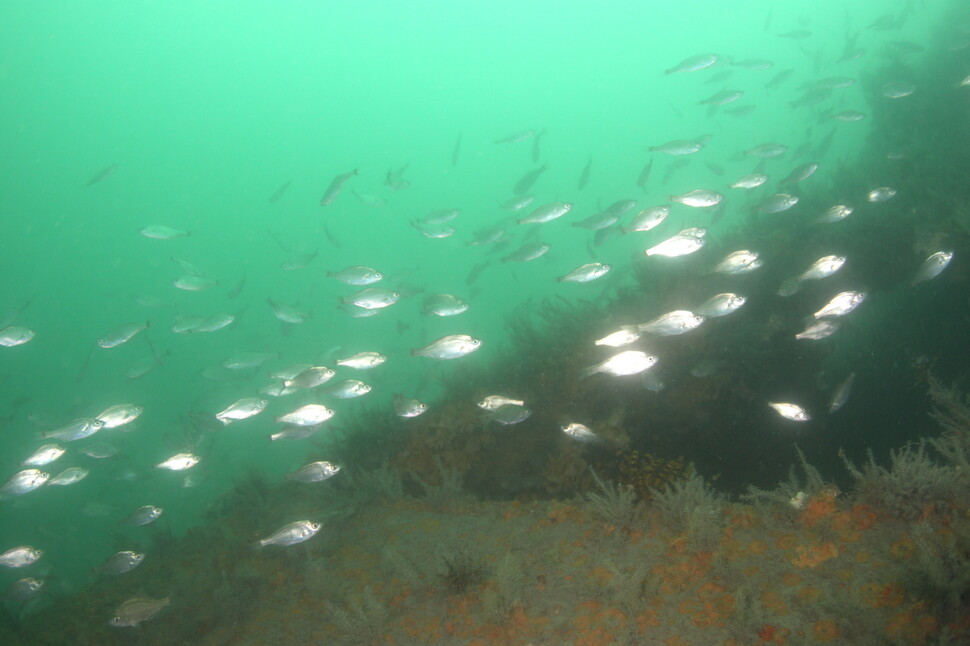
x,y
208,108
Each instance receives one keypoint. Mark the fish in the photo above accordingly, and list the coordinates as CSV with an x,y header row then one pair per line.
x,y
336,185
308,415
738,262
823,268
579,432
722,98
678,147
841,304
395,179
819,330
43,456
372,298
247,360
314,472
142,516
15,335
626,335
357,275
528,251
849,116
677,245
179,462
510,414
932,266
21,556
444,305
835,213
586,273
456,152
102,175
672,323
68,476
121,334
897,89
121,562
628,362
720,305
241,409
644,175
278,193
841,393
779,78
768,150
369,199
23,590
348,389
881,194
288,313
309,377
526,181
191,283
291,534
517,203
790,411
299,261
547,213
162,232
750,181
515,137
136,610
294,432
494,402
75,430
648,218
363,360
693,64
800,173
452,346
777,203
408,407
699,197
120,415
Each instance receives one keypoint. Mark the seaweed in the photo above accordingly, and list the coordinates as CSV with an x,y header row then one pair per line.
x,y
615,505
787,493
463,571
363,620
500,599
941,572
692,506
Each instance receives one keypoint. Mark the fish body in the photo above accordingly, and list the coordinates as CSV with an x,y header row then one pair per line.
x,y
586,273
841,304
628,362
678,147
241,409
308,415
801,173
699,197
75,430
444,305
291,534
933,266
753,180
720,305
823,268
68,476
526,181
314,472
121,562
678,245
192,283
310,377
363,360
15,335
21,556
790,411
849,116
626,335
348,389
547,213
408,407
373,298
672,323
579,432
336,185
179,462
449,347
22,590
768,150
287,313
528,251
649,218
841,393
121,334
738,262
510,414
777,203
693,64
358,275
162,232
136,610
495,402
881,194
119,415
42,456
819,330
23,482
836,213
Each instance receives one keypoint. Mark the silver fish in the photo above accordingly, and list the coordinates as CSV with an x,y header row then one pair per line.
x,y
738,262
408,407
357,275
693,63
287,313
179,462
295,432
135,610
510,414
720,305
648,218
767,151
21,556
495,402
76,430
723,97
121,562
841,393
881,194
586,273
518,202
626,335
68,476
699,197
247,360
121,334
801,173
528,251
790,411
42,456
547,213
677,245
144,515
363,360
849,116
15,335
348,389
579,432
192,283
22,590
291,534
23,482
819,330
835,213
336,185
162,232
750,181
823,268
314,472
373,298
933,266
452,346
777,203
119,415
241,409
444,305
628,362
215,323
308,415
678,147
841,304
310,377
672,323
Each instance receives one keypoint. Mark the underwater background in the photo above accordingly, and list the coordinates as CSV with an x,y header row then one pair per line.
x,y
186,180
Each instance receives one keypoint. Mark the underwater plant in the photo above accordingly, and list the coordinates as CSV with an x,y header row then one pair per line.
x,y
614,505
363,620
462,571
692,506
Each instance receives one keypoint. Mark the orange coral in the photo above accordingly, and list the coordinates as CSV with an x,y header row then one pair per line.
x,y
903,548
811,556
